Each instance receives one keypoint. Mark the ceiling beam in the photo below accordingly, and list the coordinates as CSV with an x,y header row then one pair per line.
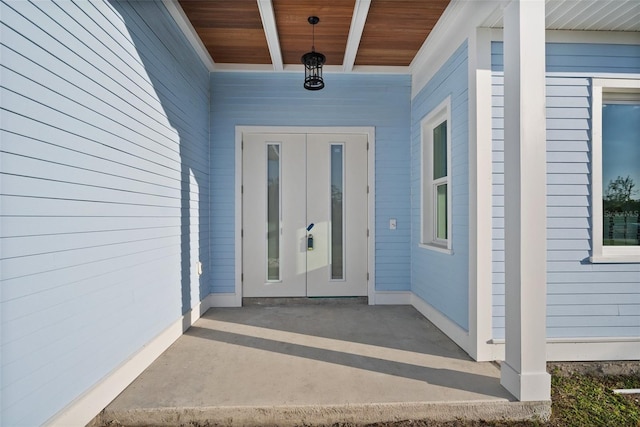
x,y
358,19
271,32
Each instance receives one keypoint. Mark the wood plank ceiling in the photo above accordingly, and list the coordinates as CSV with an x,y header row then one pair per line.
x,y
383,32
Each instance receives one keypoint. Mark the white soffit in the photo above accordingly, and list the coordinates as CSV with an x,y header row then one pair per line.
x,y
585,15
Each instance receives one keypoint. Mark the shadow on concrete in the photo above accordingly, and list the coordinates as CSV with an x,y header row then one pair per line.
x,y
444,377
396,327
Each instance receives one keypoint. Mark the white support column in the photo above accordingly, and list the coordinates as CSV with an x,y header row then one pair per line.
x,y
523,372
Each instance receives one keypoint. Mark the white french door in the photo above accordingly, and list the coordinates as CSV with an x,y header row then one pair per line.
x,y
304,215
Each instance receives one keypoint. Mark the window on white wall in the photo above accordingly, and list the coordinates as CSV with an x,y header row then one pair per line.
x,y
616,170
436,178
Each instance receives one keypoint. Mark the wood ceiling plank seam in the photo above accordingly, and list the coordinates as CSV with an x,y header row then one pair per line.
x,y
358,19
271,33
232,31
396,29
182,20
295,32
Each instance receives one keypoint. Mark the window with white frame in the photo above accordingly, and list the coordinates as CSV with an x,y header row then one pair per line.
x,y
436,178
615,178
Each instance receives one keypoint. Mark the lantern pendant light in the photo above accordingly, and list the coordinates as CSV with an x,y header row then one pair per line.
x,y
313,62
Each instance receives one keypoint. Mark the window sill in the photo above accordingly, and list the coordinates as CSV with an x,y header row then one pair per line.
x,y
615,259
436,248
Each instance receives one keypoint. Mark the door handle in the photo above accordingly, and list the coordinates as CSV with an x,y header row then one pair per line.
x,y
310,237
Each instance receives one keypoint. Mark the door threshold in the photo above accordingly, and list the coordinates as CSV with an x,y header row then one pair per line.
x,y
267,302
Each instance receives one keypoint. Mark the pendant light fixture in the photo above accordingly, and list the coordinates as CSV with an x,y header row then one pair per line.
x,y
313,62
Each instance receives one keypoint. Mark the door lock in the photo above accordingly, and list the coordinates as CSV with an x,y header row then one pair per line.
x,y
310,237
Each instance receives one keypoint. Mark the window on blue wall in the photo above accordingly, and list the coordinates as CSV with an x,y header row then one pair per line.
x,y
616,170
436,179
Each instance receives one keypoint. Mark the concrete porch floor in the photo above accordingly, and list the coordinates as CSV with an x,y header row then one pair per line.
x,y
314,365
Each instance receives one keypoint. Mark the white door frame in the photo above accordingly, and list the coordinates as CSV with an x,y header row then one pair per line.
x,y
369,131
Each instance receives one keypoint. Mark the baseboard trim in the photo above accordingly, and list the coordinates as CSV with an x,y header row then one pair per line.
x,y
607,349
391,298
446,325
584,349
224,300
87,406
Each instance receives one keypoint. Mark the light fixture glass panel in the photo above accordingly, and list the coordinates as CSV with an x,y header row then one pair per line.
x,y
337,211
273,212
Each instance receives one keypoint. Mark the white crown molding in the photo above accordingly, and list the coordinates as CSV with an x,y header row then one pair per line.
x,y
327,69
178,15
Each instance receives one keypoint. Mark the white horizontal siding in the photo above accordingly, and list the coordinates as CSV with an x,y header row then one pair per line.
x,y
104,192
584,299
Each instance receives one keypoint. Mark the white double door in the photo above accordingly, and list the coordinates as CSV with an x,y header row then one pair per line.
x,y
304,215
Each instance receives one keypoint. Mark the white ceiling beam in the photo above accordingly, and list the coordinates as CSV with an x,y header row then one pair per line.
x,y
178,15
271,32
358,19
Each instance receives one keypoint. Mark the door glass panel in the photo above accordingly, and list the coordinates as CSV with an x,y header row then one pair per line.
x,y
337,212
273,212
441,211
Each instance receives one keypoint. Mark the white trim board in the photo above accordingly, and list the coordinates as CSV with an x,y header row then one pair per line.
x,y
271,33
480,194
442,322
223,300
583,349
358,19
371,138
573,36
391,298
88,405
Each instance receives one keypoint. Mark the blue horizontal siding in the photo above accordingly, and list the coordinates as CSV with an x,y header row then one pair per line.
x,y
584,299
443,280
278,99
104,192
